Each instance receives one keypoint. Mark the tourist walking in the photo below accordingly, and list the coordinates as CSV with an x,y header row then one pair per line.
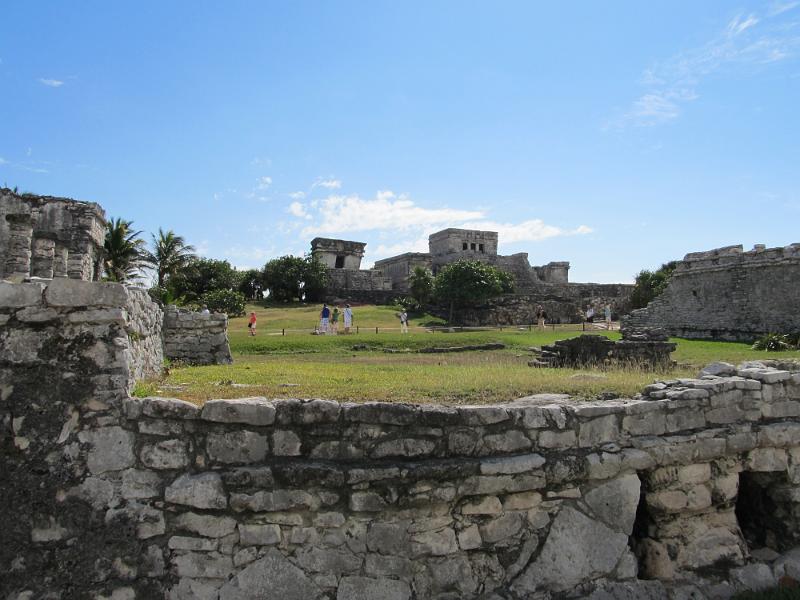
x,y
335,321
251,323
607,311
404,322
324,318
590,315
348,318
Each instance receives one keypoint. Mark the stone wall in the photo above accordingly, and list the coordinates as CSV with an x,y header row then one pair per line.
x,y
46,237
358,286
598,351
107,496
328,251
728,294
564,303
196,338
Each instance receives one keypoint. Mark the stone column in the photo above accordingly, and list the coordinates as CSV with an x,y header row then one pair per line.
x,y
43,257
18,260
60,259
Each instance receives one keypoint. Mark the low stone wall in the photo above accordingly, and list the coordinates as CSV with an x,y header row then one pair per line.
x,y
196,338
563,303
107,496
728,294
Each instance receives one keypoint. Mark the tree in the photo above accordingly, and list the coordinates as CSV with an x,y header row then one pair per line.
x,y
470,283
202,275
420,283
251,284
170,254
315,277
230,302
123,251
291,277
650,284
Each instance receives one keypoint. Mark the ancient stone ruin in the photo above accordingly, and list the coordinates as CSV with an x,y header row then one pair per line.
x,y
689,490
728,294
45,238
642,349
42,236
196,338
547,285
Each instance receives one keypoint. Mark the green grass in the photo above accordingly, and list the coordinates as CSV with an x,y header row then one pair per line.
x,y
308,366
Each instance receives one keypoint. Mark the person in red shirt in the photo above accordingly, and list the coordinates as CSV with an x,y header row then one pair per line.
x,y
251,324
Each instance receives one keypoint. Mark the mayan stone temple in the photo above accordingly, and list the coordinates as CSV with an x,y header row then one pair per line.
x,y
688,489
546,285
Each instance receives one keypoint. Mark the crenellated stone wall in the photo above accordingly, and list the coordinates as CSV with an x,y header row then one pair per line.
x,y
728,294
196,338
46,237
687,490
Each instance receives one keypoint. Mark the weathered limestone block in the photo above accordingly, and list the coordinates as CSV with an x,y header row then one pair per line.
x,y
365,588
168,454
110,449
576,549
259,535
252,411
615,502
236,447
201,491
205,525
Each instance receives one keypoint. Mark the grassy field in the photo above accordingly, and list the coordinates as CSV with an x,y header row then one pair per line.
x,y
302,365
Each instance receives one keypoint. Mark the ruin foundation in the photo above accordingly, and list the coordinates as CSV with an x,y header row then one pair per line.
x,y
691,489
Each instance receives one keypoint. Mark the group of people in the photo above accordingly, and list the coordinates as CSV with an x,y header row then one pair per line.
x,y
329,319
590,315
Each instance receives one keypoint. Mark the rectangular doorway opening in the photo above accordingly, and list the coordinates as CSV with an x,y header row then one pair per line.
x,y
764,511
339,262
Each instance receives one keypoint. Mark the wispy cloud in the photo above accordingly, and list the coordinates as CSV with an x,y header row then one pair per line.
x,y
264,183
3,161
534,230
747,41
261,161
51,82
328,183
297,209
297,195
342,214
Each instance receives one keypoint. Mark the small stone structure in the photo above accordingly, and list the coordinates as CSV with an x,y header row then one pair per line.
x,y
728,294
688,490
46,237
649,351
345,278
196,338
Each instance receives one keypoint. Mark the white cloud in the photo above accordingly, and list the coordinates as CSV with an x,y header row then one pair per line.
x,y
746,42
342,214
534,230
51,82
739,24
261,161
297,209
3,161
297,195
780,7
264,183
248,257
329,183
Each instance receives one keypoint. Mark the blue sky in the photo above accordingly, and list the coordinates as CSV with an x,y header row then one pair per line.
x,y
613,135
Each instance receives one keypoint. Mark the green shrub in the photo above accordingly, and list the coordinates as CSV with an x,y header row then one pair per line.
x,y
773,342
224,301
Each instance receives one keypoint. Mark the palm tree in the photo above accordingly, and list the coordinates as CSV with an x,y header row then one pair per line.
x,y
170,254
123,251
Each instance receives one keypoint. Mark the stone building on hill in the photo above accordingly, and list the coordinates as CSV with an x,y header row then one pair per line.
x,y
547,284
